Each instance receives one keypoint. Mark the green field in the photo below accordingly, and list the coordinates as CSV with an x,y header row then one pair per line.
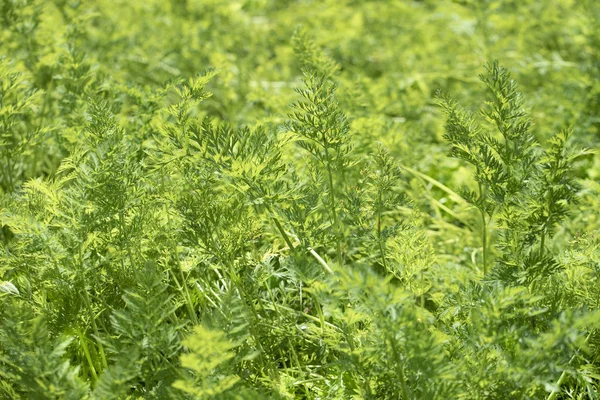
x,y
312,199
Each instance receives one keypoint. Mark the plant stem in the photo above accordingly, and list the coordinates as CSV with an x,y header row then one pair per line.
x,y
400,371
288,241
332,201
88,303
9,168
249,306
86,299
183,285
542,243
484,241
379,238
86,351
285,236
320,260
483,228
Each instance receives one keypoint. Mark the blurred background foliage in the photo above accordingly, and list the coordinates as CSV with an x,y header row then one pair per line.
x,y
395,55
392,58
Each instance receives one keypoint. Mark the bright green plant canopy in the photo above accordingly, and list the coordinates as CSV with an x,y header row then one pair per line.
x,y
273,199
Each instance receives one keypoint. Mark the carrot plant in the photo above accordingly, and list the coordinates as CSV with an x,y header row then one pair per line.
x,y
278,199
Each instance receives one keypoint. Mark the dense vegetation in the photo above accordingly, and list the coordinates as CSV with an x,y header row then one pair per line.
x,y
276,199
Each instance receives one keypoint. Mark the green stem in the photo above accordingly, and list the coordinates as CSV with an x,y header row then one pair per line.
x,y
88,304
288,241
285,236
319,312
483,229
320,260
9,168
182,287
379,238
332,201
400,371
86,351
484,241
252,327
282,232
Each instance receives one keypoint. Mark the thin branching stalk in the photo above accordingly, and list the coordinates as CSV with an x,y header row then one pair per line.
x,y
379,236
333,204
484,231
